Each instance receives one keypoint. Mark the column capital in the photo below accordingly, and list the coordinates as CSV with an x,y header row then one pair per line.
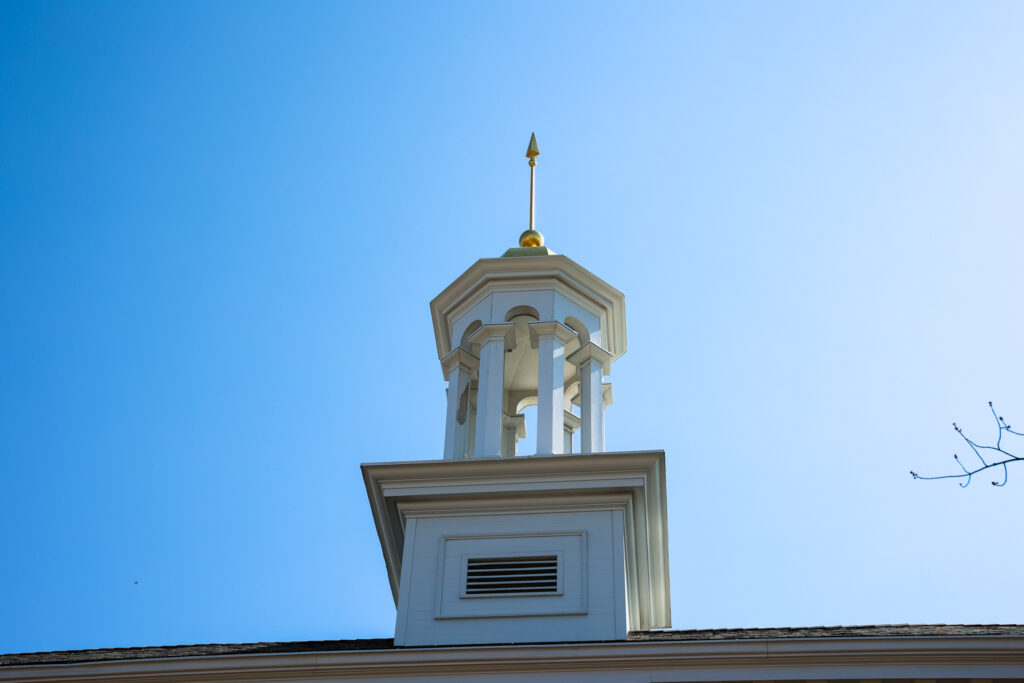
x,y
516,422
592,352
459,358
571,392
551,329
571,421
493,331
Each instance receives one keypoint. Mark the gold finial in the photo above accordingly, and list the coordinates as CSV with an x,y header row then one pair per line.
x,y
532,238
532,152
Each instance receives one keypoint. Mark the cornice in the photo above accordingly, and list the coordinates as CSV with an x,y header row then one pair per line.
x,y
523,465
524,271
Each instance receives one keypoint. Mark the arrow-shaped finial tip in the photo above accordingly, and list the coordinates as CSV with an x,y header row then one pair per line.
x,y
532,151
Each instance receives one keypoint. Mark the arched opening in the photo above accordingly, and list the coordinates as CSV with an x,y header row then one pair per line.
x,y
579,328
473,327
520,312
525,403
528,444
527,407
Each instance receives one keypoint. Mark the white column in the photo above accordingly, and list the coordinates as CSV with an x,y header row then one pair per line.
x,y
572,423
493,340
593,362
459,366
514,429
550,339
606,400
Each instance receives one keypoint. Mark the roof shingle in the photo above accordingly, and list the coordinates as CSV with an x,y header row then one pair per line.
x,y
218,649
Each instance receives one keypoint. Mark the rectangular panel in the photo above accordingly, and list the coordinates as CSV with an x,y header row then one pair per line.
x,y
520,574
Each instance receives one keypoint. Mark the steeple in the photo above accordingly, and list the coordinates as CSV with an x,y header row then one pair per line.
x,y
485,545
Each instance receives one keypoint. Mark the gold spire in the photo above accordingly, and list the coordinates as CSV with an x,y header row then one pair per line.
x,y
532,238
532,152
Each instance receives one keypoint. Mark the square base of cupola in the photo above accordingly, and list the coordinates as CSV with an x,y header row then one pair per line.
x,y
531,549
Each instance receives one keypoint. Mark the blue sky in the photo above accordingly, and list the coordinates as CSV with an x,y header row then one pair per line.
x,y
221,224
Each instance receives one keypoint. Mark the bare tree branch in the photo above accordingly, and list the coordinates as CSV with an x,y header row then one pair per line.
x,y
1007,457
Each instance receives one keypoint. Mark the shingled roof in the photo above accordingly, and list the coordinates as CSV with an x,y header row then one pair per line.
x,y
217,649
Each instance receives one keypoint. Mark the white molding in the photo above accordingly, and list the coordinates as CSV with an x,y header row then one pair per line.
x,y
499,505
485,333
531,272
728,660
552,329
516,422
579,606
592,352
460,357
607,396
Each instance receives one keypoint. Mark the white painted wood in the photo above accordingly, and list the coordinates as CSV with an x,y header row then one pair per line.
x,y
551,338
570,548
436,613
631,483
550,378
405,586
552,290
570,425
581,294
504,299
514,428
618,562
593,363
493,339
460,366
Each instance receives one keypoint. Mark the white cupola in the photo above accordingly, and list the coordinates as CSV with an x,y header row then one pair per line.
x,y
527,330
489,546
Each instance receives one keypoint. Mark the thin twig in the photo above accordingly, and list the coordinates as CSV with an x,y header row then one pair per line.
x,y
977,448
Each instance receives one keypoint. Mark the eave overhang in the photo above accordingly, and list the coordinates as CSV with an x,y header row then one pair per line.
x,y
493,273
974,657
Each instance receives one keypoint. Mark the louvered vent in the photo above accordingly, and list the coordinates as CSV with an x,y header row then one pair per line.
x,y
512,575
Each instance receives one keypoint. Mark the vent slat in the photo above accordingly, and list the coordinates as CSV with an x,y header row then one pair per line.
x,y
512,575
517,567
516,586
510,581
495,574
511,565
486,588
511,560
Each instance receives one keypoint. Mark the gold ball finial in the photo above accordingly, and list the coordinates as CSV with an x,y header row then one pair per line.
x,y
531,238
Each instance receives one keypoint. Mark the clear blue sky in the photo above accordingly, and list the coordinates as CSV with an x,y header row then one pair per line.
x,y
221,224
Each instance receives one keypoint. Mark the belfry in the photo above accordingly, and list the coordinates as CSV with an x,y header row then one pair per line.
x,y
529,328
486,545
